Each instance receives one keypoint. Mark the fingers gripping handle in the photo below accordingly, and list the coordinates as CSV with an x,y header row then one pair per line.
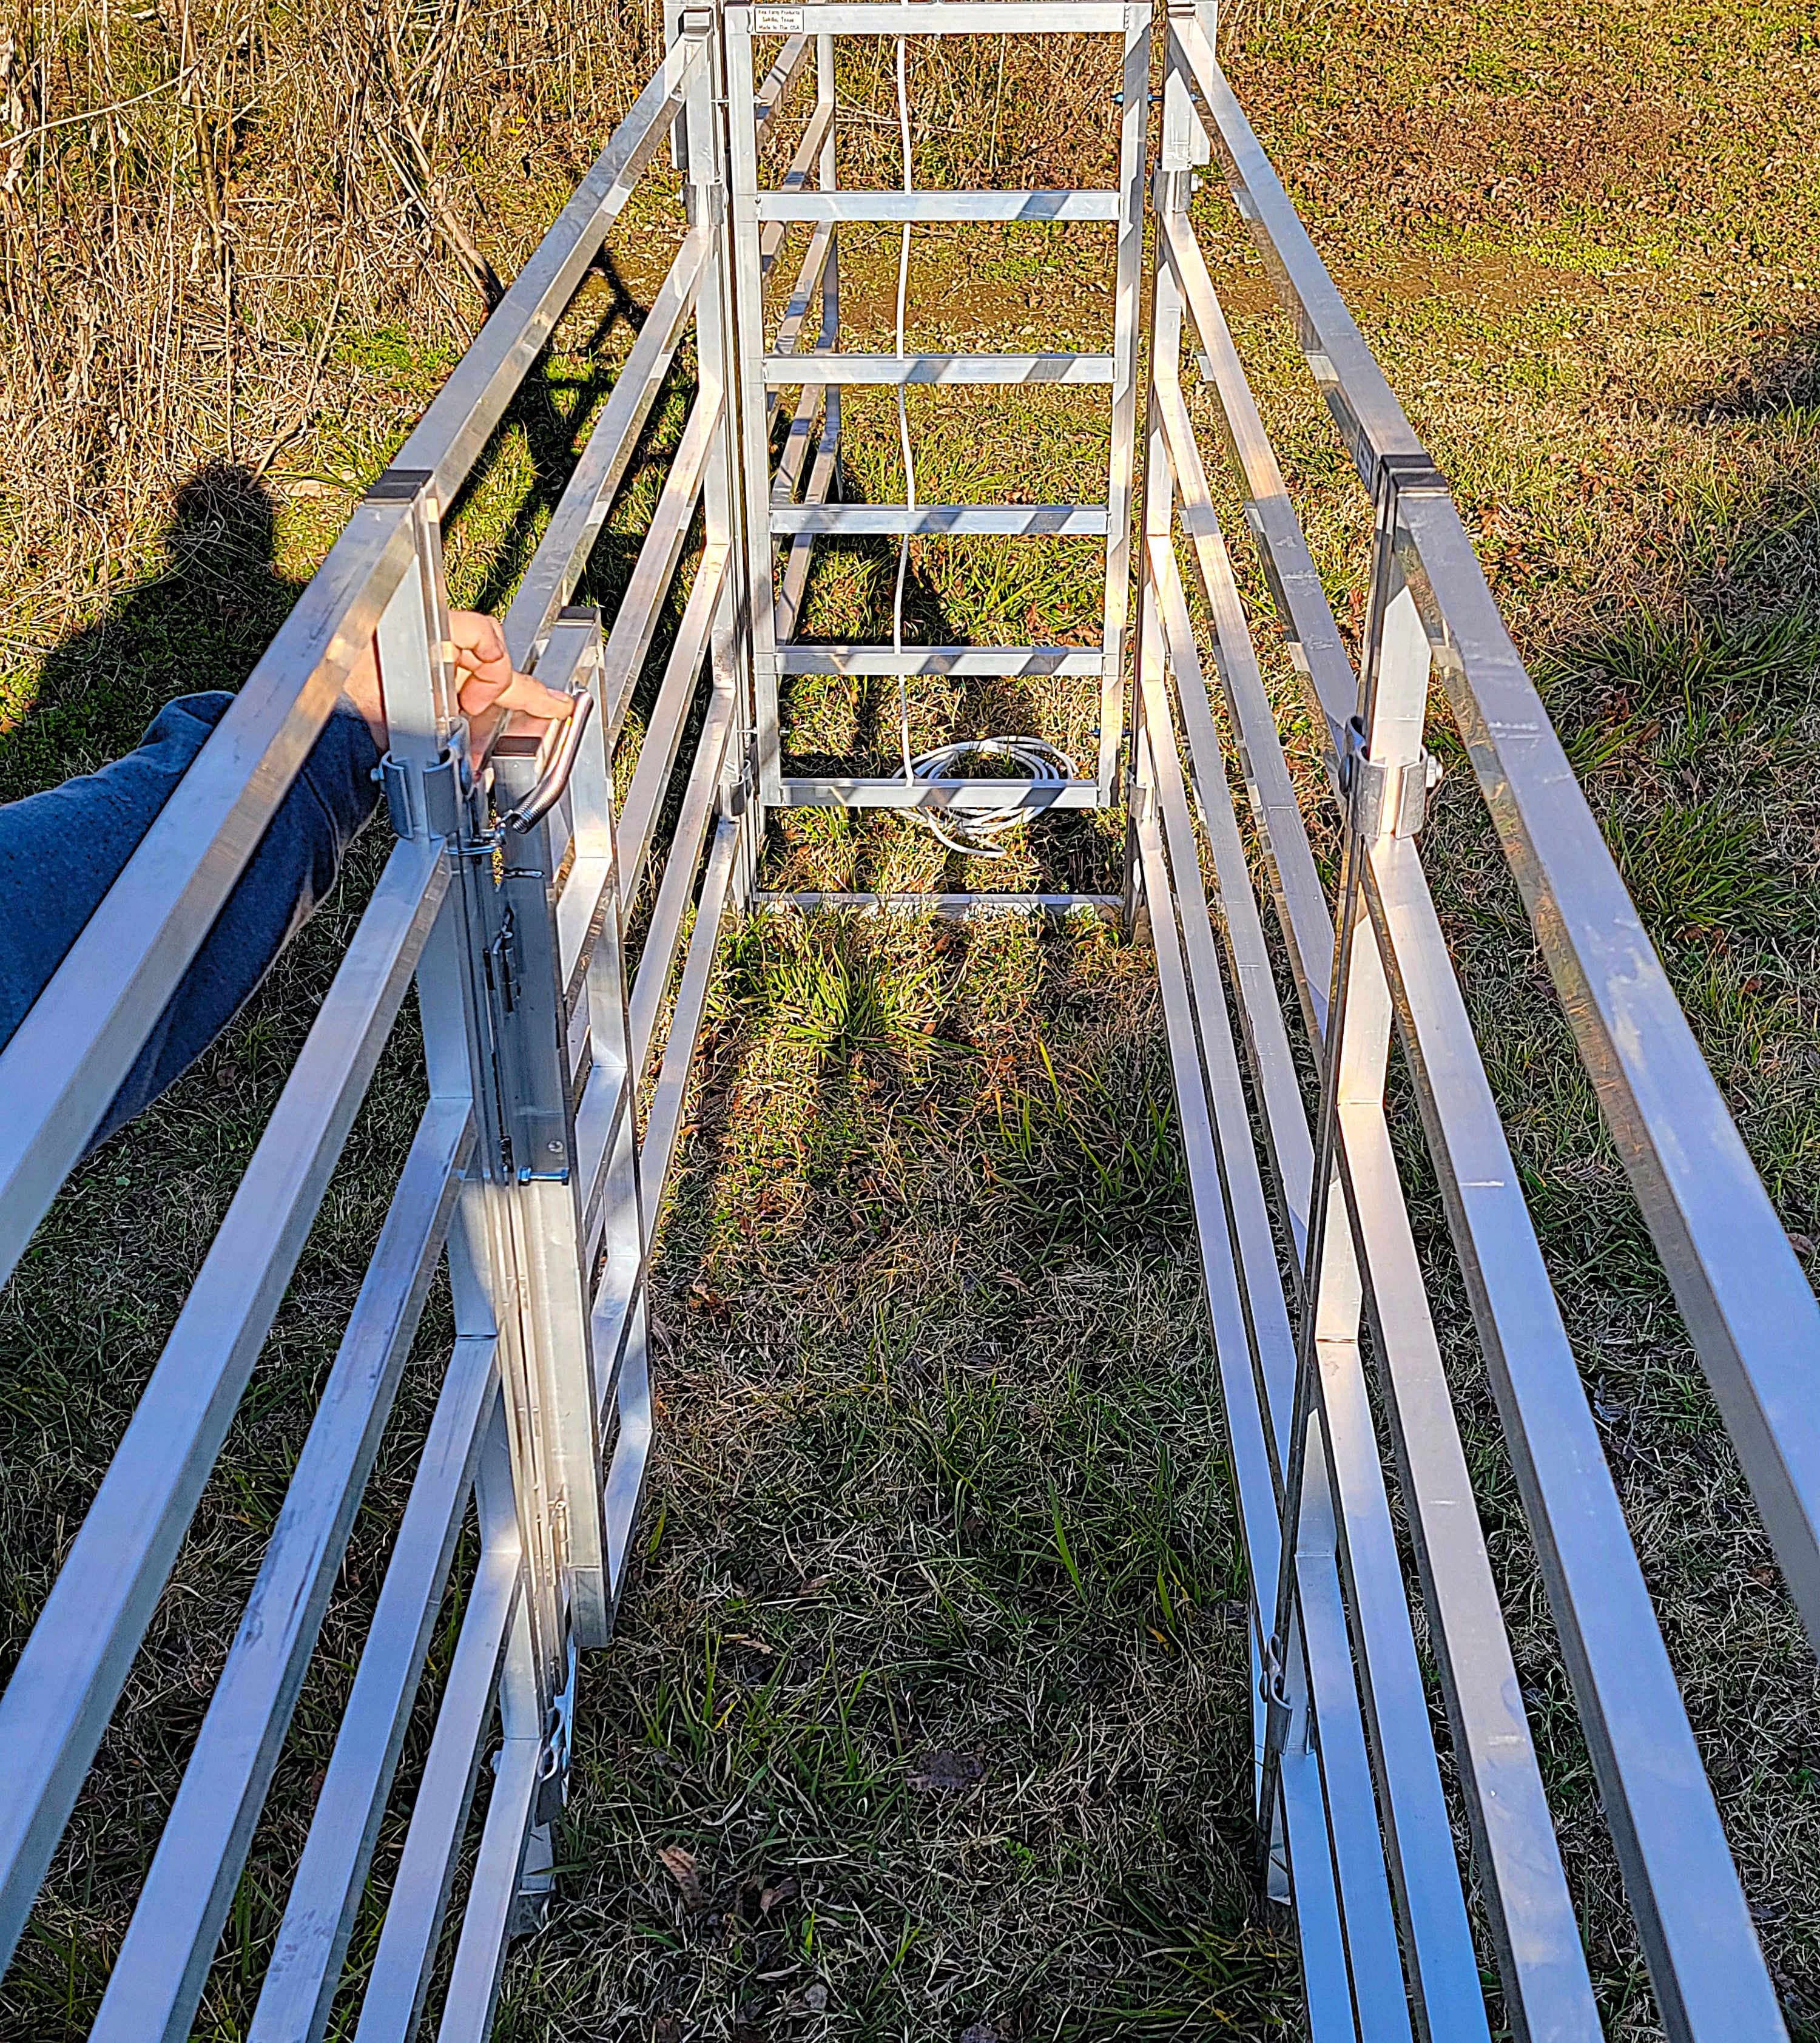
x,y
562,747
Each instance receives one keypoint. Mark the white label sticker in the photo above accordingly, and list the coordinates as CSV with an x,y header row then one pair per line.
x,y
777,20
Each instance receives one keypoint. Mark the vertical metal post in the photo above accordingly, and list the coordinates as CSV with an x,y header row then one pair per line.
x,y
1120,479
1159,491
743,258
488,1280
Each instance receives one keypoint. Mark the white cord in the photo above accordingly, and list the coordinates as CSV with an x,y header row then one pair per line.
x,y
1035,756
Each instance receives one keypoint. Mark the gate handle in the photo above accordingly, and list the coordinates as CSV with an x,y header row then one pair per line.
x,y
548,792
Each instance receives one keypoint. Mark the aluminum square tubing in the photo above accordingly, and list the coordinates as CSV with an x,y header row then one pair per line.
x,y
976,206
68,1058
305,1969
64,1685
1134,122
754,437
1300,905
1302,608
819,791
563,552
752,206
1362,1539
1696,1930
420,1889
1748,1306
800,659
158,1979
1752,1316
480,1956
787,370
1525,1889
957,17
663,734
1261,753
1370,420
1007,520
1328,1970
635,622
448,439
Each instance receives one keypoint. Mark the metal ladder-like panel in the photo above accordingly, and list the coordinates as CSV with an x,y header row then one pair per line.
x,y
773,362
558,1074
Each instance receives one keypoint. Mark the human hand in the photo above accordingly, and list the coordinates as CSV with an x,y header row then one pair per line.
x,y
487,689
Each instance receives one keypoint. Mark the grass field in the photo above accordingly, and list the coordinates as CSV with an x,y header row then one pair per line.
x,y
928,1716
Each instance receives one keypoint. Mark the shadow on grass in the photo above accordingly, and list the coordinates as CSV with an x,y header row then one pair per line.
x,y
199,620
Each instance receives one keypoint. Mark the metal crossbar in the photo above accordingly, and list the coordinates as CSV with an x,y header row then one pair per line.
x,y
558,1074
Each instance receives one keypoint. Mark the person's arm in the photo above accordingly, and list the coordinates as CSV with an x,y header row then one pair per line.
x,y
61,850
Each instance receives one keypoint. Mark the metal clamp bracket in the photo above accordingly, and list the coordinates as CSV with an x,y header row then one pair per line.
x,y
1382,799
712,214
1171,191
427,803
1279,1710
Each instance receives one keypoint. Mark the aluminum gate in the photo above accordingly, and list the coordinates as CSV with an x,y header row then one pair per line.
x,y
558,1074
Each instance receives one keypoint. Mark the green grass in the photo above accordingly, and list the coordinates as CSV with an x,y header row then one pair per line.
x,y
939,1494
966,1500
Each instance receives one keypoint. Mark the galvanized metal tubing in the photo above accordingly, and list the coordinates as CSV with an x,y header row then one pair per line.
x,y
557,1089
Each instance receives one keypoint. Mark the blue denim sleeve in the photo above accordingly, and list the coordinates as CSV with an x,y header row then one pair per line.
x,y
60,851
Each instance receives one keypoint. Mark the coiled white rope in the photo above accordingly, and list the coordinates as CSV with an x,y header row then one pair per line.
x,y
1035,758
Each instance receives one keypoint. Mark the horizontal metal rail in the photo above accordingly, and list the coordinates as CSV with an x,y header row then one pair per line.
x,y
787,370
958,17
811,790
1752,1318
945,907
856,521
937,205
800,658
559,1076
67,1681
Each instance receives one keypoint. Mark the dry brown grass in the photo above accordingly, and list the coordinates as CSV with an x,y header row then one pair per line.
x,y
200,202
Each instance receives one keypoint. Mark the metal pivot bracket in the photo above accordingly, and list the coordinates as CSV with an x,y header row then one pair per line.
x,y
1381,799
1279,1709
558,1751
1171,191
426,804
520,963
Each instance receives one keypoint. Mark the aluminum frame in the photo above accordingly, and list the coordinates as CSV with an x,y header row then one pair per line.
x,y
558,1076
1372,962
533,1175
774,515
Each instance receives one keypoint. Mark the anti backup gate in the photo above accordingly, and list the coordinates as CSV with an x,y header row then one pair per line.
x,y
557,1074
